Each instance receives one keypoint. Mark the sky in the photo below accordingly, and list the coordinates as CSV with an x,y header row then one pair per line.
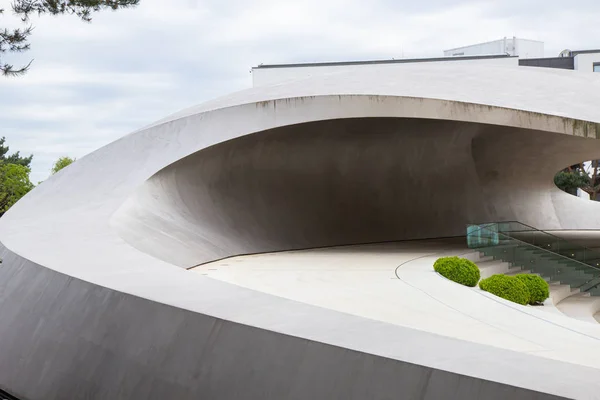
x,y
92,83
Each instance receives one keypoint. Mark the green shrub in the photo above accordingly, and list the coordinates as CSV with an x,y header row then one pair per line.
x,y
457,269
538,288
507,287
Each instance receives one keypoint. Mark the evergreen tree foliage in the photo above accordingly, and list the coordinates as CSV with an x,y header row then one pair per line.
x,y
570,181
14,158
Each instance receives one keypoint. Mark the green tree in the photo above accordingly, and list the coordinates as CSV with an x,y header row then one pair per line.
x,y
584,176
14,158
14,184
61,163
15,40
570,181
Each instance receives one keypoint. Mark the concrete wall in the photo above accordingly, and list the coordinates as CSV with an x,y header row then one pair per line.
x,y
347,181
63,338
270,75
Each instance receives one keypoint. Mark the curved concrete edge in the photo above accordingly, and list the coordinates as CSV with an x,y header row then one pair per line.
x,y
580,306
514,88
97,325
436,109
368,282
85,202
64,338
190,212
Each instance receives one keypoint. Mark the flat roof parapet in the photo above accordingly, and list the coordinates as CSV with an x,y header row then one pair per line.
x,y
375,62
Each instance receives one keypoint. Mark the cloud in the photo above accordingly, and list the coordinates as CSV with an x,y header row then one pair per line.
x,y
92,83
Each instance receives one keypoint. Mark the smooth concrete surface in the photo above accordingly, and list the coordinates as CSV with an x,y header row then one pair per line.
x,y
581,306
395,283
586,238
273,74
348,181
121,223
63,338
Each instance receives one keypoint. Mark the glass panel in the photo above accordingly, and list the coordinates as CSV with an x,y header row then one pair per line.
x,y
478,237
539,252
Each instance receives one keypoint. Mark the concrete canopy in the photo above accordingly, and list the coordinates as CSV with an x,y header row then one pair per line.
x,y
332,160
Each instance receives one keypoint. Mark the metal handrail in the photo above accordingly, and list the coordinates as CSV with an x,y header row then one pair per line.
x,y
548,251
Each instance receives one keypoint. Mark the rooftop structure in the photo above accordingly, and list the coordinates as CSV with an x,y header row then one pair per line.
x,y
522,48
505,52
580,60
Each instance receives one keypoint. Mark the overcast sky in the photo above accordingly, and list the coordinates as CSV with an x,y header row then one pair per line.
x,y
92,83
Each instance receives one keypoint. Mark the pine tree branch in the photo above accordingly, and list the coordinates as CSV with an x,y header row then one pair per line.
x,y
9,70
81,8
15,41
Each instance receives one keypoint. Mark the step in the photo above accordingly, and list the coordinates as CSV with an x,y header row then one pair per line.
x,y
572,278
594,292
580,306
507,246
569,281
559,292
493,267
478,257
516,270
483,258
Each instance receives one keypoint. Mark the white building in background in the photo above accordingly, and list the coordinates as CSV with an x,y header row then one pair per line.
x,y
508,51
523,48
531,53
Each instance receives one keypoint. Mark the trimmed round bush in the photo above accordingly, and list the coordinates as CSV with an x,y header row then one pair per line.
x,y
507,287
459,270
538,288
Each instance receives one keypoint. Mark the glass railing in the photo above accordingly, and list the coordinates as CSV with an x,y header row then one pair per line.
x,y
528,248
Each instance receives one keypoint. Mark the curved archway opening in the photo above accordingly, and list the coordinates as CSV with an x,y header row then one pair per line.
x,y
345,181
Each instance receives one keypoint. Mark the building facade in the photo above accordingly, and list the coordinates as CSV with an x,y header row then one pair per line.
x,y
523,48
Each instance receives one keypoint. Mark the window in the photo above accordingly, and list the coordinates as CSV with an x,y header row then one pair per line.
x,y
597,67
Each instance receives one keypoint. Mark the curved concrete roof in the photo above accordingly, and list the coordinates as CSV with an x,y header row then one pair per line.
x,y
540,90
128,216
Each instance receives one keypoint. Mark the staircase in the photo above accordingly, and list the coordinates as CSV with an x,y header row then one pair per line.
x,y
488,266
513,247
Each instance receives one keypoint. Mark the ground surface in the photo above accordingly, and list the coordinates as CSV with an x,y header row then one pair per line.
x,y
395,283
